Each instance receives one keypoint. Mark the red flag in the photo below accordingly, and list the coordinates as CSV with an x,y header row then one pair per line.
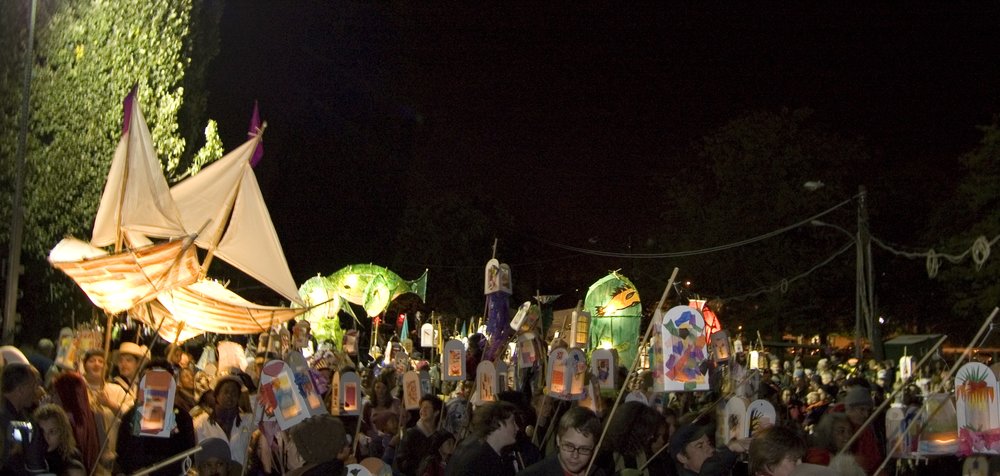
x,y
258,153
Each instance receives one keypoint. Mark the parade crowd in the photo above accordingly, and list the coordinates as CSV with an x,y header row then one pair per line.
x,y
84,419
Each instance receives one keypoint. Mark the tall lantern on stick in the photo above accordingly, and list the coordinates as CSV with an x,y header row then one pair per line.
x,y
615,314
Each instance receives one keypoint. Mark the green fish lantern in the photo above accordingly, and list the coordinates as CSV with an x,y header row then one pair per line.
x,y
616,312
369,286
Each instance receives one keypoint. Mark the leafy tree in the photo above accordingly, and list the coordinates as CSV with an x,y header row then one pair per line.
x,y
455,235
970,291
87,57
747,181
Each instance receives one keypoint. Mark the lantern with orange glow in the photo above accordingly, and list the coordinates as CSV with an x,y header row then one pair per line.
x,y
615,314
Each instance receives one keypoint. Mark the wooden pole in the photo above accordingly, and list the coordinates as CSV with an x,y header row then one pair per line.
x,y
649,329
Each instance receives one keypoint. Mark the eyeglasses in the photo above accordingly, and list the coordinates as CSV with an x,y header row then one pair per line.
x,y
581,450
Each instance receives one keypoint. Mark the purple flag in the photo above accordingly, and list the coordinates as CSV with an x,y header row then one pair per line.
x,y
127,106
258,153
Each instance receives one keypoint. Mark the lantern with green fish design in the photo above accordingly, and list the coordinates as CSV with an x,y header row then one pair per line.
x,y
615,315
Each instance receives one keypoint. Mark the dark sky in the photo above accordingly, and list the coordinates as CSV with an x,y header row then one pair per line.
x,y
548,108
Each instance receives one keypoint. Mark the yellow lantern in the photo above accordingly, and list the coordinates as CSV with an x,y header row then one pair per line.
x,y
579,329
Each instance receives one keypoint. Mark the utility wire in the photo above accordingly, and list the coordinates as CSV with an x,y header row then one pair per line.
x,y
714,249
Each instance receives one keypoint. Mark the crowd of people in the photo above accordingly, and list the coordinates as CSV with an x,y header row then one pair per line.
x,y
84,419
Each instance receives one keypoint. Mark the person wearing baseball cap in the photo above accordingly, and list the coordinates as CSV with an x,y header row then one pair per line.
x,y
692,450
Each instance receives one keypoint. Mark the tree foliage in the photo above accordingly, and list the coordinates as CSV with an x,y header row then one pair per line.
x,y
971,291
747,181
88,55
456,234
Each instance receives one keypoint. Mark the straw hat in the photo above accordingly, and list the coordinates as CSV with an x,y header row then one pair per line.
x,y
131,348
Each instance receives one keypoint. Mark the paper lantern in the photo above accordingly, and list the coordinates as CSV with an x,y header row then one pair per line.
x,y
486,383
453,361
528,350
976,393
427,335
603,368
157,417
755,360
350,394
579,329
281,395
681,348
615,315
940,434
411,390
566,374
720,346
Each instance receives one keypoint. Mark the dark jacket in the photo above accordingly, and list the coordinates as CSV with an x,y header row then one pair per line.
x,y
475,457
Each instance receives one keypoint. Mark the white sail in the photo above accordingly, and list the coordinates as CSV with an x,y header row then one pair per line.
x,y
225,203
136,197
207,306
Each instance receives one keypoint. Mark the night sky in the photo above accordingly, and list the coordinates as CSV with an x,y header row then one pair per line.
x,y
550,109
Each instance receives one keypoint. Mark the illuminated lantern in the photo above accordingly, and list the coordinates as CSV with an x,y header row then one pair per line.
x,y
566,374
453,361
602,368
411,390
734,423
615,314
305,383
712,324
279,393
427,335
335,394
486,384
720,346
940,433
525,317
760,415
755,360
905,367
976,394
350,394
681,348
579,329
528,350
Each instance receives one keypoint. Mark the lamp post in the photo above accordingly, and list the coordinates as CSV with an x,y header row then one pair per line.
x,y
864,295
16,212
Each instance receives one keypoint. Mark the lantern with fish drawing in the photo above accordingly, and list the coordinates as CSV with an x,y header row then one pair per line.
x,y
615,314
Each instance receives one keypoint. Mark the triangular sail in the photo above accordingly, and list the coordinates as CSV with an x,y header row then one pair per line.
x,y
248,240
136,197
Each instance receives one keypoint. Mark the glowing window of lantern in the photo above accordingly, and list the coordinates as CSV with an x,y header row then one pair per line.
x,y
580,331
606,344
754,359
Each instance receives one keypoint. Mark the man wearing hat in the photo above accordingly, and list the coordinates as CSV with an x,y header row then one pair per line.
x,y
693,451
130,359
227,422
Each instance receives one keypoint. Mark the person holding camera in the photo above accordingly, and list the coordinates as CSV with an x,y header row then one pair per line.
x,y
23,445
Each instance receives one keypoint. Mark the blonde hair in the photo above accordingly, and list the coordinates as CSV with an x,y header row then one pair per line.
x,y
55,413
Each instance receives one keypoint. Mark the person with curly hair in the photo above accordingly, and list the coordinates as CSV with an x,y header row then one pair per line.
x,y
62,456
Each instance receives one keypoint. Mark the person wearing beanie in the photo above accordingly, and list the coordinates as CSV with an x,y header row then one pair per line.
x,y
867,449
214,459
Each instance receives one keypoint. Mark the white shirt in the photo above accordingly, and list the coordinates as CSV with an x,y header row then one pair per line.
x,y
238,439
